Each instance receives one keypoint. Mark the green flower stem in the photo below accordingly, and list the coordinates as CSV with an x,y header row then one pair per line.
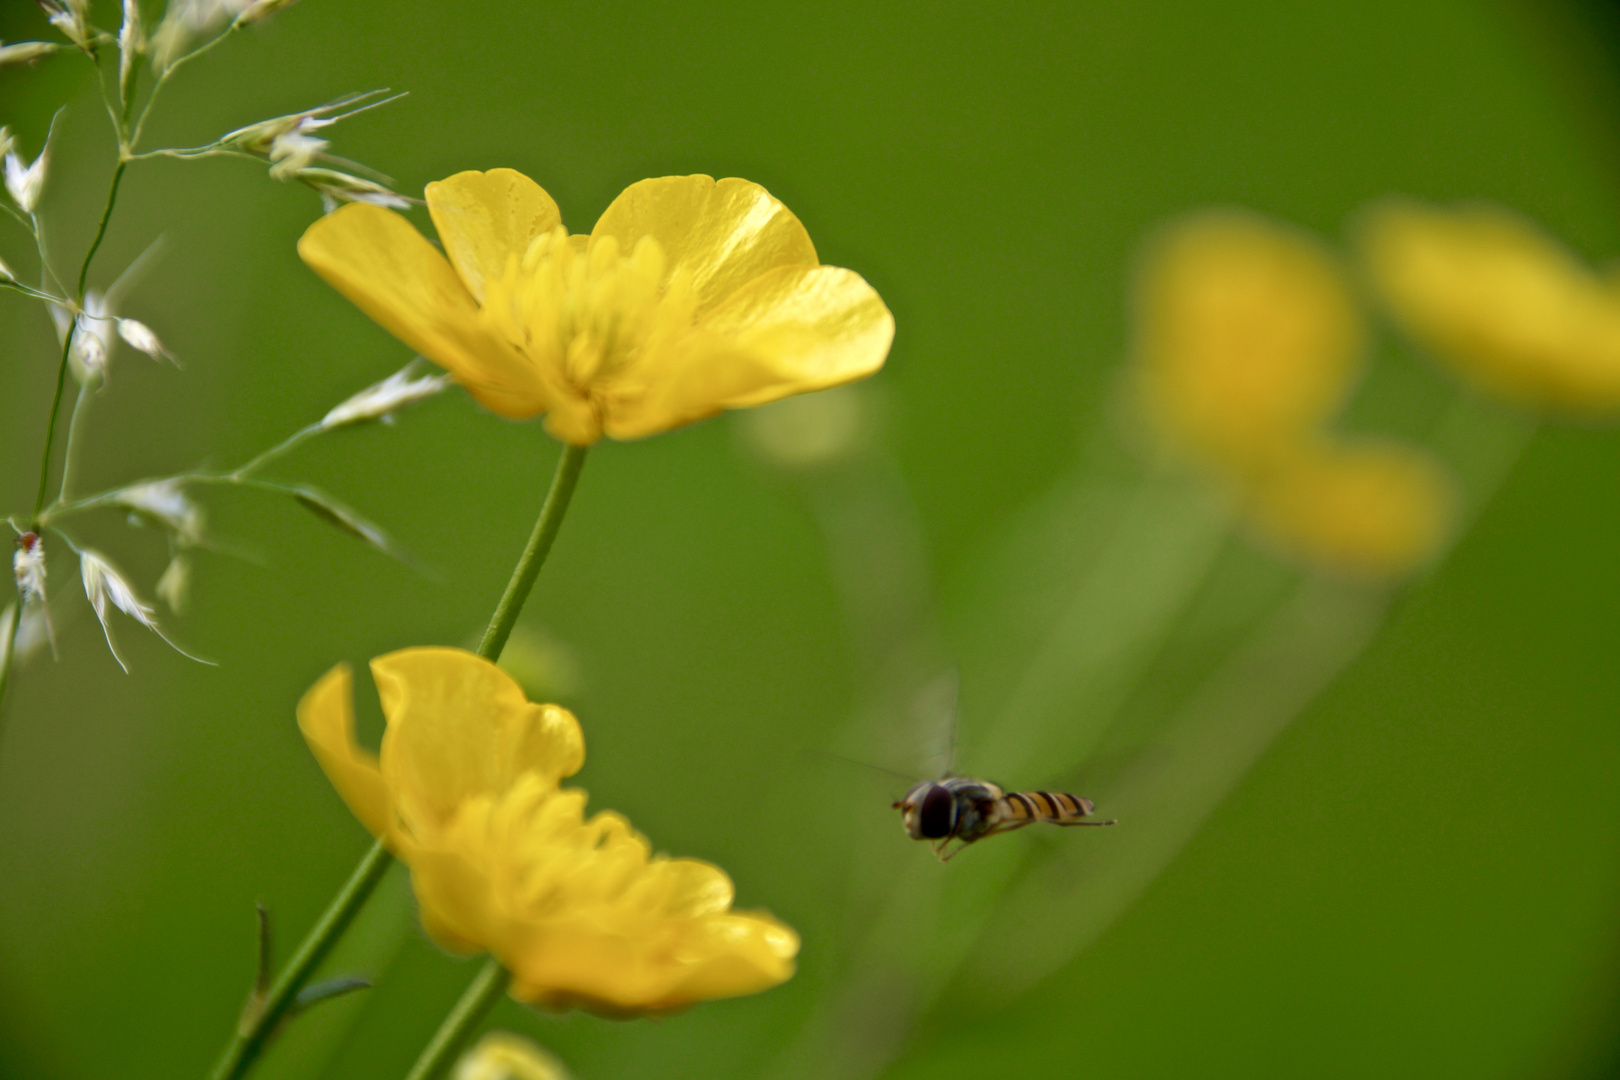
x,y
67,338
458,1028
534,556
260,1020
491,983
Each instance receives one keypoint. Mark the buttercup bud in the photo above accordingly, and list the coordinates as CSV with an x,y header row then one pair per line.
x,y
501,1055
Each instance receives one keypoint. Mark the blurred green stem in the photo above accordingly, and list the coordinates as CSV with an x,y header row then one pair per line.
x,y
534,555
263,1015
457,1029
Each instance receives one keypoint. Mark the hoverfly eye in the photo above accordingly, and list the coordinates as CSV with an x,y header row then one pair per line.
x,y
935,814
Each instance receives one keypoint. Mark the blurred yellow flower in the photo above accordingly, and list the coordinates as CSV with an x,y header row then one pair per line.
x,y
688,297
1246,338
1247,343
465,792
1372,510
500,1055
1501,302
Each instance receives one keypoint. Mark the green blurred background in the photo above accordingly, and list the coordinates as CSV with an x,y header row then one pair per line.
x,y
1417,878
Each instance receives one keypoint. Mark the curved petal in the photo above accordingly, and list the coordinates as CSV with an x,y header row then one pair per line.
x,y
326,718
812,327
457,905
731,955
378,260
1502,302
696,887
459,727
693,379
486,218
794,330
720,235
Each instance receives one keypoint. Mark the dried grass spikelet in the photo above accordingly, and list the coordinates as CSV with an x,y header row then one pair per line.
x,y
1502,303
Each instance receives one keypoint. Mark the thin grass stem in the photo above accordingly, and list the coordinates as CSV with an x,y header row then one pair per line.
x,y
458,1027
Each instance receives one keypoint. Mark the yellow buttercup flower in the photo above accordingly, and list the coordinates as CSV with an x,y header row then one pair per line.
x,y
1501,302
465,792
1369,509
500,1055
690,296
1247,343
1247,339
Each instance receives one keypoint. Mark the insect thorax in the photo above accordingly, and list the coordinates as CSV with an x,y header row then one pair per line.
x,y
976,806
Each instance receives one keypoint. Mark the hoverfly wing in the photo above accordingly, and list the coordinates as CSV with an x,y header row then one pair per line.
x,y
934,718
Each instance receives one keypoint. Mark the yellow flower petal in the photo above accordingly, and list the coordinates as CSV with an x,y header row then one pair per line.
x,y
380,262
326,718
485,219
1500,301
1246,337
813,327
454,894
1367,509
579,910
690,296
720,235
792,331
460,727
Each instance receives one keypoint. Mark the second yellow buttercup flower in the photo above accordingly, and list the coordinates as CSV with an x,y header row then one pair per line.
x,y
465,792
690,296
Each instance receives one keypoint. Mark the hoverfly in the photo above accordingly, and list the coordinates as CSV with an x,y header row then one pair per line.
x,y
965,809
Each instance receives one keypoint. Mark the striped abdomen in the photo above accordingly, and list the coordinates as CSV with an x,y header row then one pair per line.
x,y
1019,808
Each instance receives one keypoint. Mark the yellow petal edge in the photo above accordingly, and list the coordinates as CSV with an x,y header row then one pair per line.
x,y
502,860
